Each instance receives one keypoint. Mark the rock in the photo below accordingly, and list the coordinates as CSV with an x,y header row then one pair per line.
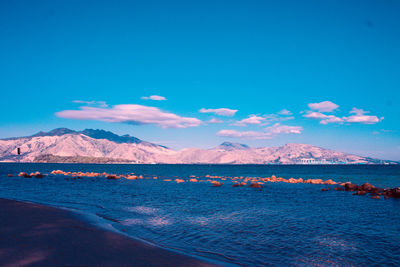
x,y
339,188
350,187
317,181
367,187
10,175
395,192
392,192
387,193
235,185
37,175
325,189
132,177
360,193
215,183
113,177
58,172
330,182
179,181
375,197
255,185
375,190
193,180
24,174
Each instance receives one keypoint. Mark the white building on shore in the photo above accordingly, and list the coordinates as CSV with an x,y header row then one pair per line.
x,y
313,161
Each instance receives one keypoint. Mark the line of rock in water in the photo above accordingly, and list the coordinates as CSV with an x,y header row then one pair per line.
x,y
238,181
371,190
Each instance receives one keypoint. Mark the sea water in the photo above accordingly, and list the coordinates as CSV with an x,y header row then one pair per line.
x,y
278,225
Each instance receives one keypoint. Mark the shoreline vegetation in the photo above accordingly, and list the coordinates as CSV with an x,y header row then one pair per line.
x,y
237,181
33,234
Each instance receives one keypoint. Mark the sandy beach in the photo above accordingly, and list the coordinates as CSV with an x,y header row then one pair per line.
x,y
37,235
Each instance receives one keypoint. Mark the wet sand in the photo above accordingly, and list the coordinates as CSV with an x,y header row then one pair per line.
x,y
37,235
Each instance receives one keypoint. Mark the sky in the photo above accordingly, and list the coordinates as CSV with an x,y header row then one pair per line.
x,y
198,73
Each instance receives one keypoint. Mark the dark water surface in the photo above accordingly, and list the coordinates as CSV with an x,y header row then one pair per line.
x,y
281,224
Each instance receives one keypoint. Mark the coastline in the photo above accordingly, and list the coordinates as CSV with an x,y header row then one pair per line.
x,y
34,234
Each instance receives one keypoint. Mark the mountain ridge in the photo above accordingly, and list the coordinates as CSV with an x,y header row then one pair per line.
x,y
99,146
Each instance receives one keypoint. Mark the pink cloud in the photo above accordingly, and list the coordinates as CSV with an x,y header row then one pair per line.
x,y
285,112
219,111
325,106
324,119
133,114
268,132
94,103
359,117
154,97
364,119
283,129
262,120
331,119
213,120
358,111
252,119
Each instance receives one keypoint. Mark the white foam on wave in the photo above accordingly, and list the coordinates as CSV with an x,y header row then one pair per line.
x,y
143,210
159,221
234,217
129,222
335,243
200,220
153,221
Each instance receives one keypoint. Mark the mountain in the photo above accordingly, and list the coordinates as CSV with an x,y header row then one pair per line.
x,y
99,146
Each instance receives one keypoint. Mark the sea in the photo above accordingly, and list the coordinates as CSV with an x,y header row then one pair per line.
x,y
280,224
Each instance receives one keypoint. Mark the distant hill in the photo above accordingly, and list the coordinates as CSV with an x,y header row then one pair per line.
x,y
99,146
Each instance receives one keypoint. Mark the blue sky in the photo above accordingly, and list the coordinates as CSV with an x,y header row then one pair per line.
x,y
256,57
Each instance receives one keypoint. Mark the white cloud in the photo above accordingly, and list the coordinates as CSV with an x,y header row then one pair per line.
x,y
268,132
325,106
359,117
274,117
252,119
153,97
213,120
324,119
219,111
364,119
261,120
358,111
132,114
283,129
91,103
285,112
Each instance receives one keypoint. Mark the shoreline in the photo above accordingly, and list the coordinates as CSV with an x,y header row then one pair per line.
x,y
35,234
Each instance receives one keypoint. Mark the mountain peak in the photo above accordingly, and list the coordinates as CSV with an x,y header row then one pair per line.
x,y
102,134
93,133
233,146
55,132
